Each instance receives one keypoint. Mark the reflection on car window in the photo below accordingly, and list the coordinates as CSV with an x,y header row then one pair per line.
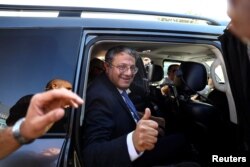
x,y
30,58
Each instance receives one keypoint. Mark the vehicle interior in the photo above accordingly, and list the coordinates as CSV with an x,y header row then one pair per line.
x,y
203,116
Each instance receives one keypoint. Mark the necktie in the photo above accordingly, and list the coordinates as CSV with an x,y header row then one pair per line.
x,y
130,106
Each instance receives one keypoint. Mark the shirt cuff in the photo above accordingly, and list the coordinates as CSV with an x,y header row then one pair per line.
x,y
131,148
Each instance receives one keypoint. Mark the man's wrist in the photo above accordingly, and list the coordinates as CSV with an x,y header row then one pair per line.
x,y
17,133
133,154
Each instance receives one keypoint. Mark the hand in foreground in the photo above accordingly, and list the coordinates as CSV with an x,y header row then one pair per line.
x,y
45,109
239,12
145,134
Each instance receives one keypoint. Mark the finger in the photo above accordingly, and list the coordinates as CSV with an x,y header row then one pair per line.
x,y
147,114
146,146
50,118
61,93
74,103
147,132
149,146
150,140
152,132
144,125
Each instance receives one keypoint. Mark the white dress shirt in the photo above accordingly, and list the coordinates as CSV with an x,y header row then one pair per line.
x,y
131,148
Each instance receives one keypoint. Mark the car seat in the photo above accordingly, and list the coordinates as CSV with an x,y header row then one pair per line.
x,y
141,90
155,75
200,121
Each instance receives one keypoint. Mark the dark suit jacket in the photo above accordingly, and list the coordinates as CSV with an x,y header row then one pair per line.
x,y
107,122
106,125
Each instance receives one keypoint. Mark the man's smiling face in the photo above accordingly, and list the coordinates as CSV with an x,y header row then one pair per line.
x,y
121,70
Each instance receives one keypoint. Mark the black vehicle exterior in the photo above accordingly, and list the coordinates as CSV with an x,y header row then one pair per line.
x,y
36,49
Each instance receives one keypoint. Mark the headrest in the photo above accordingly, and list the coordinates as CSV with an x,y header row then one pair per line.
x,y
191,77
155,72
140,82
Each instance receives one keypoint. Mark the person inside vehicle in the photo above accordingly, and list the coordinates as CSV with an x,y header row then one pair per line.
x,y
96,68
113,133
19,110
45,109
170,79
203,94
146,62
171,74
209,87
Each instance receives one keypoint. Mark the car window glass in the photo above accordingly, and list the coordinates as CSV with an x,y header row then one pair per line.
x,y
31,58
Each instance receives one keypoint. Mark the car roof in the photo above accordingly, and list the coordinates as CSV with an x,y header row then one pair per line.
x,y
120,18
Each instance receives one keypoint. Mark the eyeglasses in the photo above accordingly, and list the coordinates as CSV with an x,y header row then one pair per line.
x,y
123,68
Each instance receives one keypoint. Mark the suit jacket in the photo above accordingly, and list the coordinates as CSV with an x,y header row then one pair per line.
x,y
106,125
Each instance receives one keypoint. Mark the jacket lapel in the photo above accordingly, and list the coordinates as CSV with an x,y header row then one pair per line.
x,y
116,94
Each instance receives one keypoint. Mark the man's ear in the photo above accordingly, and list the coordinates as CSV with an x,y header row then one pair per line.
x,y
54,86
106,66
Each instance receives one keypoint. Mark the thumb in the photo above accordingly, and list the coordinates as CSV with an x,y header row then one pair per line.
x,y
147,114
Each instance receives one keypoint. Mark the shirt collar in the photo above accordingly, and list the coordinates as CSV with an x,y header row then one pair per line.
x,y
127,91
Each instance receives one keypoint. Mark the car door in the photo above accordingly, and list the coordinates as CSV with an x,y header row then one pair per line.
x,y
34,51
158,41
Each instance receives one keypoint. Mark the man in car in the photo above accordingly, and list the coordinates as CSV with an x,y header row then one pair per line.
x,y
170,79
113,134
44,109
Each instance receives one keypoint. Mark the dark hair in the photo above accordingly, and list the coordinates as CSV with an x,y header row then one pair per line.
x,y
172,66
54,81
112,52
96,63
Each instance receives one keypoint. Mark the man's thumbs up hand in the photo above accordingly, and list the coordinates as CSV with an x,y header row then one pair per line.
x,y
147,114
145,135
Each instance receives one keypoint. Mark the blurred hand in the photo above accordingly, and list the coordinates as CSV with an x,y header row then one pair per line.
x,y
145,134
165,90
45,109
